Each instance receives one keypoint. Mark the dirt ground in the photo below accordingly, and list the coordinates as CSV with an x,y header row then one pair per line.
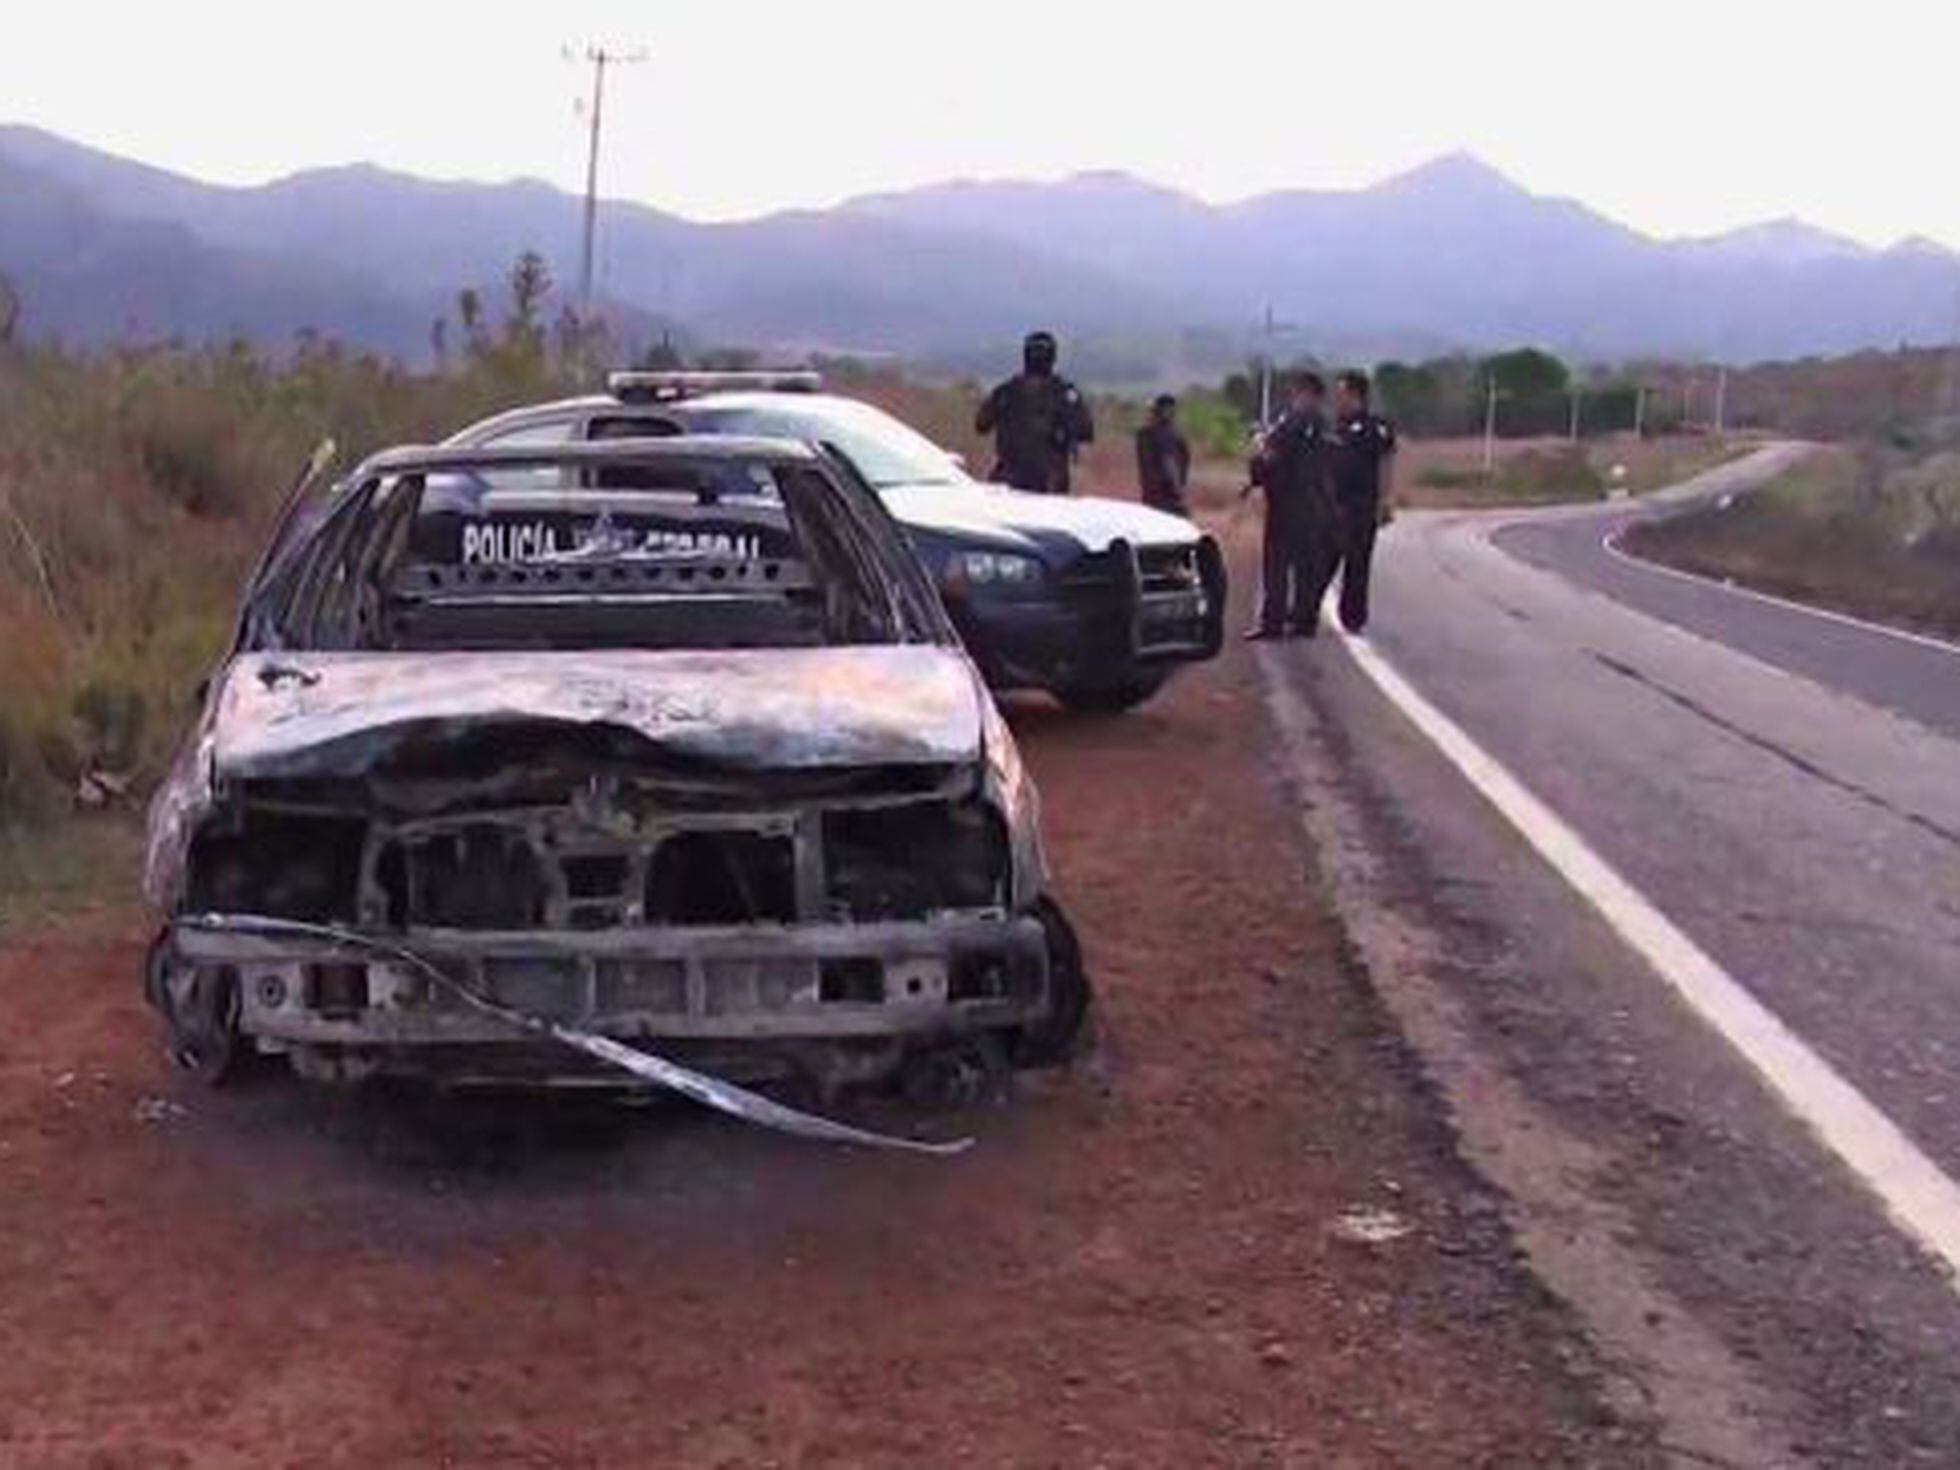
x,y
1140,1264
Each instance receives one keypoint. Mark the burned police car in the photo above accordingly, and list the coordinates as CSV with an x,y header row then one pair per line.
x,y
649,760
1096,601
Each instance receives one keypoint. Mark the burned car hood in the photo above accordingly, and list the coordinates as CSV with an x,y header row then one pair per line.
x,y
1017,517
334,714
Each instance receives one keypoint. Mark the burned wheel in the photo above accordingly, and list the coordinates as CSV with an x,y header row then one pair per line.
x,y
199,1006
1053,1039
961,1074
1111,699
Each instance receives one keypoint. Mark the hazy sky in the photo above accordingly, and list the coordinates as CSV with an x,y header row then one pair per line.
x,y
1677,116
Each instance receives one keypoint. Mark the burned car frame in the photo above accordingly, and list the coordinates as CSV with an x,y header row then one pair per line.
x,y
658,743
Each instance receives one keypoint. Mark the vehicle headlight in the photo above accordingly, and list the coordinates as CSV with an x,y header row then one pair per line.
x,y
989,569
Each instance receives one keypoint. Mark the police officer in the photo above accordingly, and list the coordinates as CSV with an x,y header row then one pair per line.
x,y
1163,458
1038,419
1291,466
1361,459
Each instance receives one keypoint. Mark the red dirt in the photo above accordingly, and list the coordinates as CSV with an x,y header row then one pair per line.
x,y
1133,1267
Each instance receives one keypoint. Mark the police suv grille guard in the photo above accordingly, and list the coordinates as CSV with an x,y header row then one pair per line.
x,y
712,1092
1135,589
1175,595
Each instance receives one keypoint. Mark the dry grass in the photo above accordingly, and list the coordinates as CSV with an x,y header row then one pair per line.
x,y
67,871
134,489
1853,529
1449,474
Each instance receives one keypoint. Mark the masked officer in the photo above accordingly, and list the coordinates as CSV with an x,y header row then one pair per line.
x,y
1038,419
1361,459
1291,466
1163,458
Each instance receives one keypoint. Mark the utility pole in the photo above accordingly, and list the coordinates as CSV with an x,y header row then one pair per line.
x,y
1953,358
1266,373
601,58
1640,412
1273,330
1578,394
1721,399
1490,426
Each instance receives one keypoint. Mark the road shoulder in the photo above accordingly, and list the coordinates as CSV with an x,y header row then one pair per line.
x,y
1734,1278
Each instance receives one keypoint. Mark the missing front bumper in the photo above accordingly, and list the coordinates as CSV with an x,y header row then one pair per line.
x,y
924,979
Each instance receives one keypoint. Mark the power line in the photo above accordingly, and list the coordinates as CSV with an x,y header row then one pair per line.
x,y
601,58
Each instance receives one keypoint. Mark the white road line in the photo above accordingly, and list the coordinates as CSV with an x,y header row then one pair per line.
x,y
1610,543
1918,1195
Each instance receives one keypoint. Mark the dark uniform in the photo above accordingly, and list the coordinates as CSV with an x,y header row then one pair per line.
x,y
1163,465
1359,447
1037,418
1292,468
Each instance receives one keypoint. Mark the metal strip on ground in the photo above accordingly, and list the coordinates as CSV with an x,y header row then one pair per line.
x,y
709,1091
1922,1199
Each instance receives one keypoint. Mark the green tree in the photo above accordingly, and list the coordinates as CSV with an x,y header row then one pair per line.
x,y
469,311
9,311
520,362
1411,395
1241,390
662,357
1527,372
1531,391
729,360
530,284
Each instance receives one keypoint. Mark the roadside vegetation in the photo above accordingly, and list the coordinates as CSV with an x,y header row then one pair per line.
x,y
1867,529
136,485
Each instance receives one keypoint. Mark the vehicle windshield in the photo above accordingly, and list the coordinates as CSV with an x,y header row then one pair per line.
x,y
884,451
651,555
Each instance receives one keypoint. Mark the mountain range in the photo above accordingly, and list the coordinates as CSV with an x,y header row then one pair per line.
x,y
1142,280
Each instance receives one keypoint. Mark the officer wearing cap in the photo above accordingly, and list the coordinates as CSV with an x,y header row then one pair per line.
x,y
1361,457
1291,466
1038,419
1163,458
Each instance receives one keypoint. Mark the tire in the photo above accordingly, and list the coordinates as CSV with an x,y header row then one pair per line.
x,y
200,1013
1111,699
1053,1040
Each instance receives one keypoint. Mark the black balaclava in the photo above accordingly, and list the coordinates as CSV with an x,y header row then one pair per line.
x,y
1038,354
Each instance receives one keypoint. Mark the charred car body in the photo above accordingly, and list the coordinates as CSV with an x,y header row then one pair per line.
x,y
1096,601
666,741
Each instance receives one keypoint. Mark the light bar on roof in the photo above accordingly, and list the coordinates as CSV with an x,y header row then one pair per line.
x,y
645,387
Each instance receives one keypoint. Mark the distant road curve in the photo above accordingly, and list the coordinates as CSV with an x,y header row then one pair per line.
x,y
1904,672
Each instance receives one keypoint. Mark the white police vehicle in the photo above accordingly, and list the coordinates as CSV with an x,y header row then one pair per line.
x,y
1096,601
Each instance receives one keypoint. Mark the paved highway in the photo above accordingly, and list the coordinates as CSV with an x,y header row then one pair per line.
x,y
1749,767
1780,792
